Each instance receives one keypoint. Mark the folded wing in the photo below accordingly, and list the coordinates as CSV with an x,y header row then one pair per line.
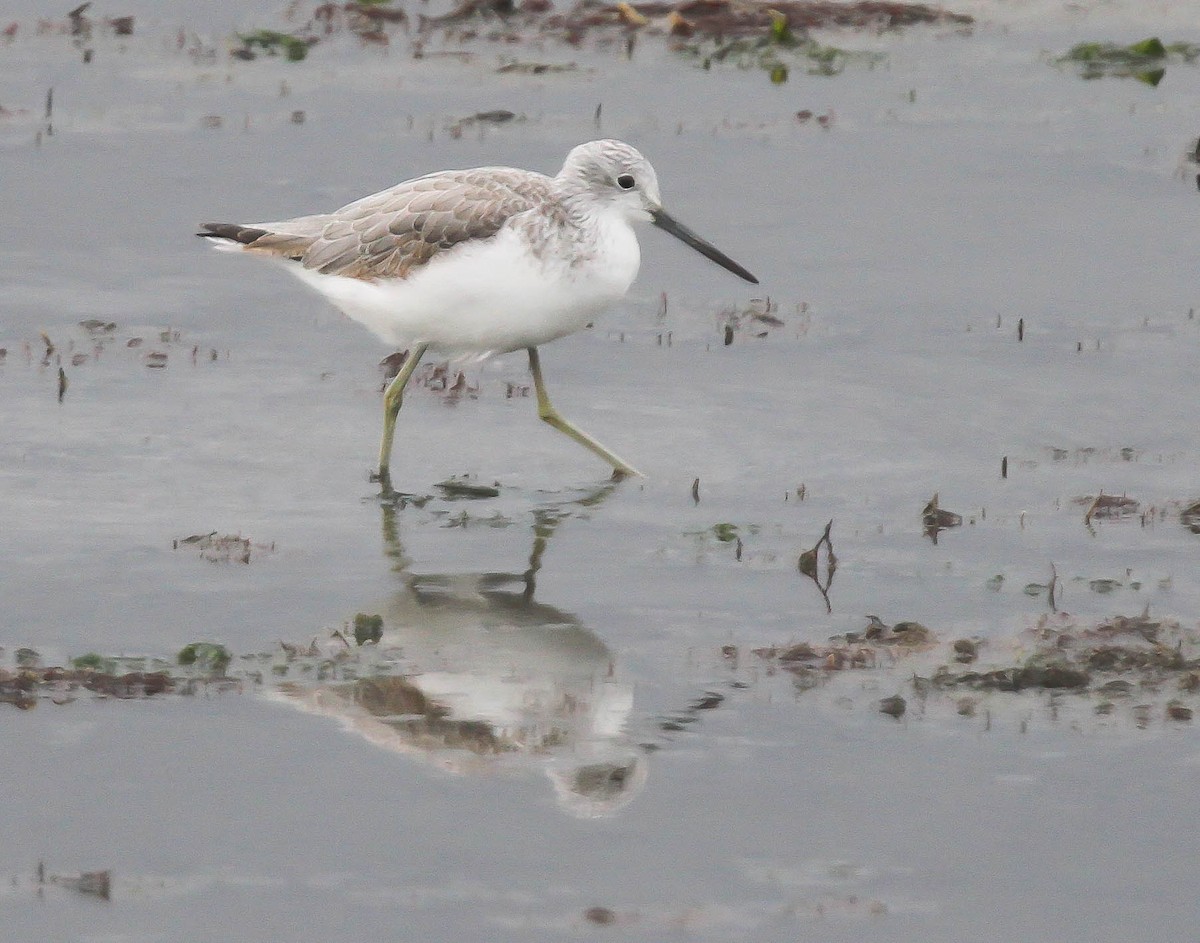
x,y
392,233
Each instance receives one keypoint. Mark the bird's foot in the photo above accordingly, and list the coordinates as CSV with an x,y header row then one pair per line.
x,y
383,478
390,497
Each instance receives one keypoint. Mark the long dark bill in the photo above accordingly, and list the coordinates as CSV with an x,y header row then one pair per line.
x,y
668,223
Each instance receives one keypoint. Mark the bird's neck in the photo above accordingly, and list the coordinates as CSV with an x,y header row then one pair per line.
x,y
579,205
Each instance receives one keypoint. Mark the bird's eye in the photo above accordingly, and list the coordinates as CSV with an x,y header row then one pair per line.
x,y
625,181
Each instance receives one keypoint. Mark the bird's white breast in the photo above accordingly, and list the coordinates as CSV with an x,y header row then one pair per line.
x,y
497,294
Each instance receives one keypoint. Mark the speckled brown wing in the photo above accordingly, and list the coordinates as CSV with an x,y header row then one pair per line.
x,y
394,232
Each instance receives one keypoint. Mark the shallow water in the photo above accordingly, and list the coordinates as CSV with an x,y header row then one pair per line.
x,y
962,184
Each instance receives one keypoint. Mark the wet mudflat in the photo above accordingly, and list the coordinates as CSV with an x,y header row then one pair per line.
x,y
666,709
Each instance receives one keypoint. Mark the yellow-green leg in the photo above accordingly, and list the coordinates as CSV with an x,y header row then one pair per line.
x,y
547,413
393,398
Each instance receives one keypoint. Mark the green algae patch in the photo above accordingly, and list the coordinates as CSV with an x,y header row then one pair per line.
x,y
367,628
93,661
208,657
1145,60
725,531
777,52
273,43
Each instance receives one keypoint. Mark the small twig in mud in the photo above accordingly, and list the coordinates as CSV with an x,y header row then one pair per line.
x,y
809,564
49,112
1108,505
223,548
391,364
677,721
937,519
1189,517
93,883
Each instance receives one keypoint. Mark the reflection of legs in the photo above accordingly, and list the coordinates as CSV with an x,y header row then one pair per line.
x,y
393,397
547,413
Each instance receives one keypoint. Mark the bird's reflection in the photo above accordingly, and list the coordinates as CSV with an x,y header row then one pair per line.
x,y
487,676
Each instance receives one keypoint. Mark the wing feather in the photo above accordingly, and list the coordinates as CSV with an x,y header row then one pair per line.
x,y
392,233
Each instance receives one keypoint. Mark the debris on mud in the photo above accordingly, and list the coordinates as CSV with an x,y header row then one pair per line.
x,y
911,635
725,532
90,883
725,535
96,327
23,688
1113,658
676,721
1177,711
438,378
292,46
756,319
805,115
772,50
1050,589
198,666
463,487
210,658
728,21
1034,674
1103,663
391,364
86,344
1189,517
965,650
499,116
465,520
223,548
519,67
810,564
434,377
1145,60
936,519
876,646
368,628
1107,506
1139,666
771,36
601,916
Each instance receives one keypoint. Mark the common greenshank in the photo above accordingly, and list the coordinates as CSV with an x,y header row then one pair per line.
x,y
480,261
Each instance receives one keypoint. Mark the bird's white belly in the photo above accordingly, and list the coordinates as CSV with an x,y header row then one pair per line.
x,y
488,297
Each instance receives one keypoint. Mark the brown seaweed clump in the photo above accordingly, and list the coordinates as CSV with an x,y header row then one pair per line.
x,y
1140,651
731,19
23,687
879,644
513,22
1121,659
